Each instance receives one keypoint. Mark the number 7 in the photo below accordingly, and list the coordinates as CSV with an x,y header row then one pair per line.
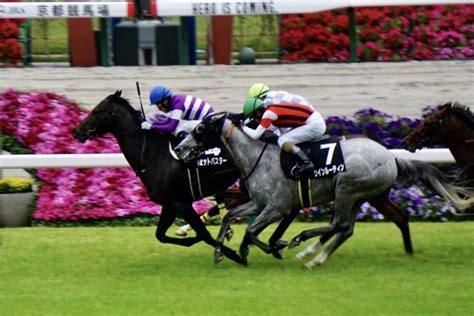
x,y
331,147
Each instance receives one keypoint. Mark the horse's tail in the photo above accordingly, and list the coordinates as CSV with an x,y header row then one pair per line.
x,y
462,198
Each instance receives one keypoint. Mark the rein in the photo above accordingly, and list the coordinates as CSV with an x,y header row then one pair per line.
x,y
256,163
228,134
140,168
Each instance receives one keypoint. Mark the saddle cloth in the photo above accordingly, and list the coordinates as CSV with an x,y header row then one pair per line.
x,y
214,157
326,155
210,158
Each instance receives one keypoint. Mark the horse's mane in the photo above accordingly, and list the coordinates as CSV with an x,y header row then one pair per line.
x,y
462,112
137,114
125,102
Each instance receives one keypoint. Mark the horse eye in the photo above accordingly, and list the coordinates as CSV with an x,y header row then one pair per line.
x,y
200,128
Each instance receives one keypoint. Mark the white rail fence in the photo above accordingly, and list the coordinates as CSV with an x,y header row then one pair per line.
x,y
118,160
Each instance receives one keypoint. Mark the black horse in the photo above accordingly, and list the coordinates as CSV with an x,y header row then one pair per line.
x,y
168,181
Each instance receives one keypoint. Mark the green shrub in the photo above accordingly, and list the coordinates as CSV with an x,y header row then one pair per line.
x,y
16,185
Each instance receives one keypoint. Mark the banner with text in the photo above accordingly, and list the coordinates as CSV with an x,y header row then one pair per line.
x,y
260,7
15,10
11,10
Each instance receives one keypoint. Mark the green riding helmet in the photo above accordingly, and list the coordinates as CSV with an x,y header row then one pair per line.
x,y
251,106
258,90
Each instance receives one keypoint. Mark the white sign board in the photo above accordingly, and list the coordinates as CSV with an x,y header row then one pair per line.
x,y
193,7
261,7
232,7
12,10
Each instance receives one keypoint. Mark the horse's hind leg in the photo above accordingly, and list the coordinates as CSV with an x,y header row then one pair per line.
x,y
167,217
343,222
310,233
385,207
314,247
342,231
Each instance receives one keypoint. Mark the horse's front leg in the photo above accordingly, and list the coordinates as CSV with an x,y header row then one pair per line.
x,y
167,217
268,216
275,240
246,209
188,213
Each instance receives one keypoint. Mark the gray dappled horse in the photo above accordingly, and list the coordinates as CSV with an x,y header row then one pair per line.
x,y
371,171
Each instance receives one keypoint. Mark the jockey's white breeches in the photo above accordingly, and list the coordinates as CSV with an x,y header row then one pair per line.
x,y
315,127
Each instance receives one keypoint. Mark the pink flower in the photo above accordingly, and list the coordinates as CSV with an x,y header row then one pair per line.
x,y
43,123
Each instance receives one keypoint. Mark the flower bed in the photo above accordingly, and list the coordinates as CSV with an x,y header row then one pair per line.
x,y
42,122
383,34
11,52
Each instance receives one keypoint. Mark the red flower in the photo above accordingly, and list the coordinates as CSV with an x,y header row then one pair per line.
x,y
10,51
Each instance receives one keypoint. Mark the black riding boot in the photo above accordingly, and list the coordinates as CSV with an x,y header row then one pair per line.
x,y
305,165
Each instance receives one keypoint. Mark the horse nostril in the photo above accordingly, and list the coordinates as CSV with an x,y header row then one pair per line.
x,y
178,150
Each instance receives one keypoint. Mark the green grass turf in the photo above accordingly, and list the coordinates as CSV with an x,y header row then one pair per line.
x,y
125,271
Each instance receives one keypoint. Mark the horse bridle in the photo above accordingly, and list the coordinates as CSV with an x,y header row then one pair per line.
x,y
92,133
435,125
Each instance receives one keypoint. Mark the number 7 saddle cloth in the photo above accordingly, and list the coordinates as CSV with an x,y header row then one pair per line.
x,y
326,155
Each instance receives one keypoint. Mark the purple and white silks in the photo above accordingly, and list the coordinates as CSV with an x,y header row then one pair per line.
x,y
186,111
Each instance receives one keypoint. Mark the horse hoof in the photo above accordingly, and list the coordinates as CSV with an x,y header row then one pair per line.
x,y
244,253
229,234
278,254
280,244
307,266
218,256
294,242
301,255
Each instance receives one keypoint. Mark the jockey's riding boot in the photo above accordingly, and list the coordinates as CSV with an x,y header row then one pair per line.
x,y
305,165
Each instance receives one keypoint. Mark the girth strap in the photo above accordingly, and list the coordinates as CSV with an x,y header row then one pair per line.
x,y
304,193
195,183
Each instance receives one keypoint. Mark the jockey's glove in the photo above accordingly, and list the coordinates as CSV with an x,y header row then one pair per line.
x,y
146,125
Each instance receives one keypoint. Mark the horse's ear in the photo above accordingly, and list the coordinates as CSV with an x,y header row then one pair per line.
x,y
218,116
118,94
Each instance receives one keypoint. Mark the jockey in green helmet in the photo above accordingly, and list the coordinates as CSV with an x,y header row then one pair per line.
x,y
297,123
251,106
258,90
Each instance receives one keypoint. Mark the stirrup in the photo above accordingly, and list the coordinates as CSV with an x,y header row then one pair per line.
x,y
299,170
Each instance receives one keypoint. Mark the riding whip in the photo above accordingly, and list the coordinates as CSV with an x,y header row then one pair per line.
x,y
142,153
140,98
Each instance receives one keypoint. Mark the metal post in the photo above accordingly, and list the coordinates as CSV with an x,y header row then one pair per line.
x,y
25,39
188,34
352,34
210,42
104,42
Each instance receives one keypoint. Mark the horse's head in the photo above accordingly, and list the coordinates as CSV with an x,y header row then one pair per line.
x,y
452,123
205,135
428,131
104,118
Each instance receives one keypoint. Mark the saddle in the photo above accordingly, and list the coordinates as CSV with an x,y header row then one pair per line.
x,y
325,153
